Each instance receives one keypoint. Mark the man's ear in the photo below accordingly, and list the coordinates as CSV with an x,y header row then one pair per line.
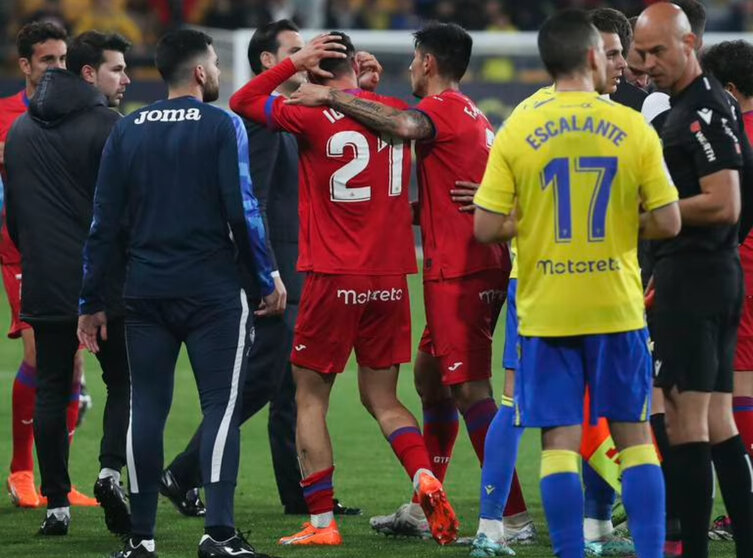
x,y
25,65
429,63
199,74
691,41
591,59
268,60
89,74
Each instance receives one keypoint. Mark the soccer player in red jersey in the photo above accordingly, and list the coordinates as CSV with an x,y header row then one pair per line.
x,y
356,246
40,46
731,62
464,281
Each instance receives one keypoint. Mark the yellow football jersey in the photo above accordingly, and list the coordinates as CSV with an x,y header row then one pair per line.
x,y
576,168
540,95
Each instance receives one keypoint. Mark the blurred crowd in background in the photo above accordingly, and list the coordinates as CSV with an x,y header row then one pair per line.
x,y
143,21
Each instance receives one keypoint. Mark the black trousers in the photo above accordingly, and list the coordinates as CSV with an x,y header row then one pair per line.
x,y
57,344
216,334
269,379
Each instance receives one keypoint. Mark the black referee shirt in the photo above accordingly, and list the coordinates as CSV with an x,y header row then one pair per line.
x,y
700,137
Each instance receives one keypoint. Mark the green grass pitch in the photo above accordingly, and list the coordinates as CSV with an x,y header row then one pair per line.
x,y
367,475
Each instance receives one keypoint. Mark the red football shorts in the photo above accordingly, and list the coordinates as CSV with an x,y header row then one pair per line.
x,y
744,350
460,318
12,282
339,313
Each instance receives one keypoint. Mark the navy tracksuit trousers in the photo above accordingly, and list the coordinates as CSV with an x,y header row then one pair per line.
x,y
216,334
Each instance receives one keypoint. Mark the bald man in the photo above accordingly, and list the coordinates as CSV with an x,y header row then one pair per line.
x,y
698,283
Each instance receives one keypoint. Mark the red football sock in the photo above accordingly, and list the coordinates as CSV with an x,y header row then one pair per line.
x,y
410,449
516,503
477,420
318,491
743,410
440,433
24,400
71,418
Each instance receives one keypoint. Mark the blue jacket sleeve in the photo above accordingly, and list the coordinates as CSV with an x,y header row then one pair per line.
x,y
109,205
241,207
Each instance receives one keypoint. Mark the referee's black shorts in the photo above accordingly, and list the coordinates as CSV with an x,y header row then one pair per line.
x,y
694,321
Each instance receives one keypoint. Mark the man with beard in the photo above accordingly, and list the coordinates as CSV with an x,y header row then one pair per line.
x,y
273,156
177,173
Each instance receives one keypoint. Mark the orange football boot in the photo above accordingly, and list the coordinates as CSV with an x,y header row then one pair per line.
x,y
439,513
326,536
75,498
21,489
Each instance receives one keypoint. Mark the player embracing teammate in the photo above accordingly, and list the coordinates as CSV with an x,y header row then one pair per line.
x,y
356,247
464,281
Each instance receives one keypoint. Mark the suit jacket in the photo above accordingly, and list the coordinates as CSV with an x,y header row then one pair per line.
x,y
273,157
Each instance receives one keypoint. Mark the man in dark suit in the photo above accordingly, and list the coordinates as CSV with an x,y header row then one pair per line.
x,y
273,160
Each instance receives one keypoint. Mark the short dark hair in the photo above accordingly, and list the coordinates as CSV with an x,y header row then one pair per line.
x,y
88,49
449,43
632,21
37,32
696,13
609,20
731,62
340,66
264,39
176,49
564,41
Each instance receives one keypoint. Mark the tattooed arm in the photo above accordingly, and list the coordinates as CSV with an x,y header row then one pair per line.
x,y
404,124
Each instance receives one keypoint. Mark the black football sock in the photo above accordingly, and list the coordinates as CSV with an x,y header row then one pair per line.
x,y
658,425
690,469
733,469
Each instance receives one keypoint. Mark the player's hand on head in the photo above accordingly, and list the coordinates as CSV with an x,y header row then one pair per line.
x,y
274,303
316,50
90,328
369,70
309,95
463,194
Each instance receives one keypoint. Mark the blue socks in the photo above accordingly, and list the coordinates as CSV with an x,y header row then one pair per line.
x,y
562,498
599,495
500,455
642,485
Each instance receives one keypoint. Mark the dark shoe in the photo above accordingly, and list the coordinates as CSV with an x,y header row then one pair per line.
x,y
344,510
234,546
112,498
138,551
54,526
187,502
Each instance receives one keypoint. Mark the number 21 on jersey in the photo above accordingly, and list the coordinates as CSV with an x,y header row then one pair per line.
x,y
557,173
357,143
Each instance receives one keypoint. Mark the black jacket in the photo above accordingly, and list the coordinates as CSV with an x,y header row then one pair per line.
x,y
273,158
52,159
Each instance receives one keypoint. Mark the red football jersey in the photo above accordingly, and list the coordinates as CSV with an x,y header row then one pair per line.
x,y
10,109
355,216
458,151
746,248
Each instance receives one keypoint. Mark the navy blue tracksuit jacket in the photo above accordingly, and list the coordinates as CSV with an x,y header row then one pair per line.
x,y
175,174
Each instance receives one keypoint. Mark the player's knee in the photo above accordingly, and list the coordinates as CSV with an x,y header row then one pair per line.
x,y
638,455
721,420
558,461
469,393
378,403
743,384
